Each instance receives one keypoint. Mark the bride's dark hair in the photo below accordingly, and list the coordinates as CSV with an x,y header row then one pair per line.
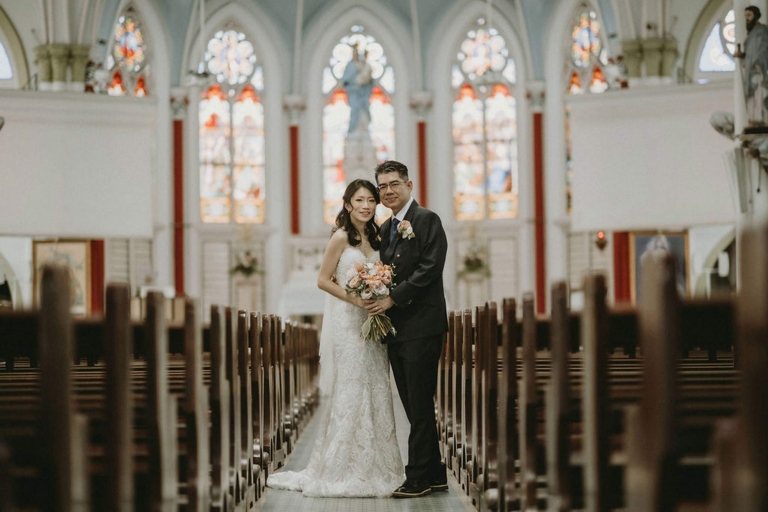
x,y
344,221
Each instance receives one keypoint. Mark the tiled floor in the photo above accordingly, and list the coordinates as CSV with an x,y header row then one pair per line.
x,y
286,501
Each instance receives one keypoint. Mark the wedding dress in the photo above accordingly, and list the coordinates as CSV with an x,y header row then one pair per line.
x,y
356,453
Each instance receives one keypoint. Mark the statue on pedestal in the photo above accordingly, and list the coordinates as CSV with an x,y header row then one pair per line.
x,y
359,153
755,60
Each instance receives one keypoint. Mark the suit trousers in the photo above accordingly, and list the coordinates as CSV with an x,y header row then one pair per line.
x,y
414,365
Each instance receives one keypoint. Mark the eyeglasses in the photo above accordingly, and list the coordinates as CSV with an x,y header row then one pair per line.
x,y
393,185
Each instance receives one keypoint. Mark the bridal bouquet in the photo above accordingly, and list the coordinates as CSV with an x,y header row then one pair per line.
x,y
372,281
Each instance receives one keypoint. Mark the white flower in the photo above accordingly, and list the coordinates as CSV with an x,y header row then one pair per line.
x,y
366,294
381,290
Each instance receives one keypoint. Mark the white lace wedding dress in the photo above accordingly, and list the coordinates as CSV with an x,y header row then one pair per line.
x,y
356,452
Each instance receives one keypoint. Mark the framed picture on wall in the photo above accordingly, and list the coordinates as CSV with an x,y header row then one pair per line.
x,y
75,254
642,243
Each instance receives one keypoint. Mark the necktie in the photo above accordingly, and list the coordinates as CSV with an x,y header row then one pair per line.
x,y
393,231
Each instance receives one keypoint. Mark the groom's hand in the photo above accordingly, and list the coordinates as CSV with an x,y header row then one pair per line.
x,y
377,307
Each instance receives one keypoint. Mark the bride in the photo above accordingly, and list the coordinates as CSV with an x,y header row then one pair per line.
x,y
356,452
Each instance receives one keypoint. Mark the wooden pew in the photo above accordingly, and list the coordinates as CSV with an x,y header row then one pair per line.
x,y
122,474
741,445
599,380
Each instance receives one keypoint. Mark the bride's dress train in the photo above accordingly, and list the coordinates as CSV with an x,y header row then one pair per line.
x,y
356,452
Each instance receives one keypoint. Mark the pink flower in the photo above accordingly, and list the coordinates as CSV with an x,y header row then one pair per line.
x,y
405,230
354,282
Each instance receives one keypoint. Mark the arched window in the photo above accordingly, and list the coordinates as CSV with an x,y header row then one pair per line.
x,y
129,58
585,63
349,153
717,54
485,164
232,174
6,71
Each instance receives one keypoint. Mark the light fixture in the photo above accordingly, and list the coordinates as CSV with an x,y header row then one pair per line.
x,y
600,240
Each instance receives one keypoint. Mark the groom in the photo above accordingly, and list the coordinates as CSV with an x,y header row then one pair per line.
x,y
417,309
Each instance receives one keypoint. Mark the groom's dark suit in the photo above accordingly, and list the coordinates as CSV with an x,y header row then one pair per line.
x,y
420,318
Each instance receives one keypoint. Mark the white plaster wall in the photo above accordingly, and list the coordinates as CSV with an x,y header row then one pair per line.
x,y
659,163
684,15
76,166
17,252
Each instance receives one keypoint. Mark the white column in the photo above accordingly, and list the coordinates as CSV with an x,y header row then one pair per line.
x,y
740,107
192,248
162,243
558,221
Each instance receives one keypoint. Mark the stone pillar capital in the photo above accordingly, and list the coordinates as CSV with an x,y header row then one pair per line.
x,y
421,103
536,94
295,105
80,53
44,70
179,102
60,55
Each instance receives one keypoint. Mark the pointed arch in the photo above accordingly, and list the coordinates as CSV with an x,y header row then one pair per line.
x,y
320,38
272,59
157,32
558,220
262,32
448,34
11,48
713,13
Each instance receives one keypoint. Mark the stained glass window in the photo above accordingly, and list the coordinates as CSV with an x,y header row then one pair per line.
x,y
585,65
128,61
485,165
6,72
340,150
717,54
232,148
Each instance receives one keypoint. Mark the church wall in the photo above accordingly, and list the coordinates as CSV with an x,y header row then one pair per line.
x,y
529,41
660,164
74,168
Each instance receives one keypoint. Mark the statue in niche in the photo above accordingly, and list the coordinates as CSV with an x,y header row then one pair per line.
x,y
359,153
755,61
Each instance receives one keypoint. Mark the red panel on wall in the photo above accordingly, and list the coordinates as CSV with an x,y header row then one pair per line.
x,y
421,129
539,234
97,276
178,206
295,211
621,289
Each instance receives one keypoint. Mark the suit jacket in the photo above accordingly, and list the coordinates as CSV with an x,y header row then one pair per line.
x,y
420,309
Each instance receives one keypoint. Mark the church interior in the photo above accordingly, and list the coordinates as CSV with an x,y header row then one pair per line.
x,y
561,142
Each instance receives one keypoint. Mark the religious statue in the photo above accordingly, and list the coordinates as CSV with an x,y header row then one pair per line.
x,y
359,152
358,83
755,57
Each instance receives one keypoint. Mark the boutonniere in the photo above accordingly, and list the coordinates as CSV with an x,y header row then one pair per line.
x,y
406,230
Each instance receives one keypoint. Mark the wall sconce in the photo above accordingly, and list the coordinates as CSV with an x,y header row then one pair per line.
x,y
600,240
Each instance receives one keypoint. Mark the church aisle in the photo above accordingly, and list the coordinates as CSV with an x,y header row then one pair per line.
x,y
281,501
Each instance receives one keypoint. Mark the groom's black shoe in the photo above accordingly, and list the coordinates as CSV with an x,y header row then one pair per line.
x,y
412,489
439,481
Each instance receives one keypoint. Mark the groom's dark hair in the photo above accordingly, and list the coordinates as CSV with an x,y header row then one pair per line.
x,y
391,166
